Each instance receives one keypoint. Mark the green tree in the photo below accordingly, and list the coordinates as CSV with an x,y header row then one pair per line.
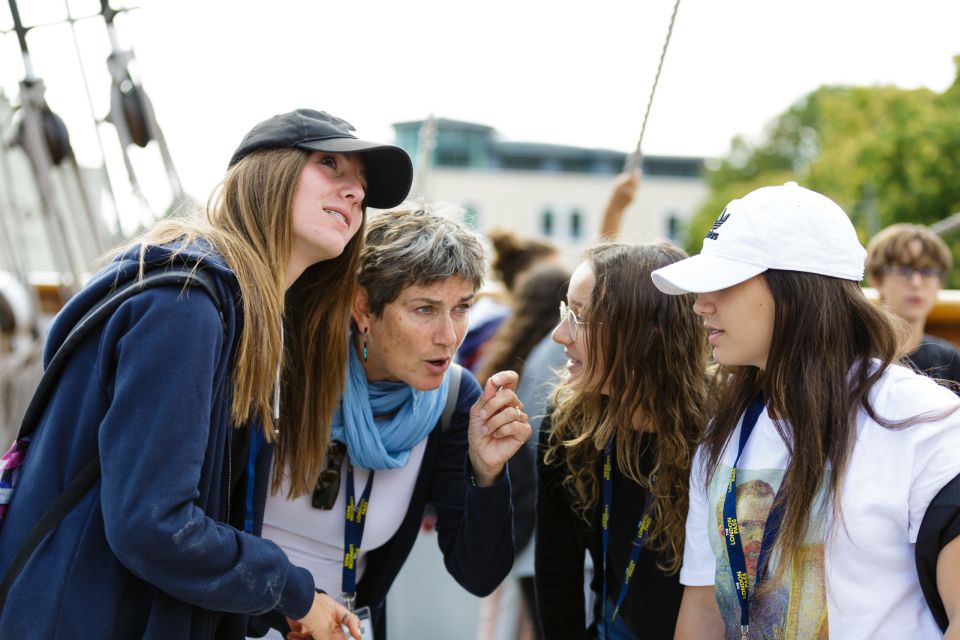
x,y
884,154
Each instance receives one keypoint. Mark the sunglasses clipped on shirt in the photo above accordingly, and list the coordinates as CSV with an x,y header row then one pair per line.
x,y
327,489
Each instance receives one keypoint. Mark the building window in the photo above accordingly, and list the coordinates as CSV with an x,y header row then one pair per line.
x,y
452,157
576,224
546,222
673,228
525,163
471,217
576,165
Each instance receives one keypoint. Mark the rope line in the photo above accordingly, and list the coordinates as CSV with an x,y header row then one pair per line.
x,y
633,160
946,225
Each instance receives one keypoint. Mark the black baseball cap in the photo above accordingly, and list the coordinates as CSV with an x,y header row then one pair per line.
x,y
389,170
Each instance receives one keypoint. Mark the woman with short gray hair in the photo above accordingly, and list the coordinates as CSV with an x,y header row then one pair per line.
x,y
415,420
417,246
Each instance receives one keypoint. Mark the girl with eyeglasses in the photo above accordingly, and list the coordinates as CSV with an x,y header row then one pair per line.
x,y
617,448
907,264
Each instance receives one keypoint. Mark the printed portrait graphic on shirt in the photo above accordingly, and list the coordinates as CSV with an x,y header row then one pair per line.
x,y
795,609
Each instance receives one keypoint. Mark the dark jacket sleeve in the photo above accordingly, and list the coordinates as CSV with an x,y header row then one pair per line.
x,y
954,372
153,442
559,554
523,493
474,524
939,527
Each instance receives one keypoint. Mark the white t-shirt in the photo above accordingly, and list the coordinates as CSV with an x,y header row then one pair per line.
x,y
313,538
852,579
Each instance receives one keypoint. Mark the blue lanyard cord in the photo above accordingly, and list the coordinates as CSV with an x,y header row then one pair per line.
x,y
643,528
738,562
356,519
257,440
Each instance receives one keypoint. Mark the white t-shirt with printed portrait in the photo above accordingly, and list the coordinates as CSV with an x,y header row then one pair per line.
x,y
851,579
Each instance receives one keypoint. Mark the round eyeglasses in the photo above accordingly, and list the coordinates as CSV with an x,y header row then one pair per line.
x,y
573,324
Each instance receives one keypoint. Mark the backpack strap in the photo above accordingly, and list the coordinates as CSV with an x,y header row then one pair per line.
x,y
96,315
453,392
87,477
60,507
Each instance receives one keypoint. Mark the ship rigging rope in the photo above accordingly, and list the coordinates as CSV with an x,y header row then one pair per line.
x,y
946,225
656,78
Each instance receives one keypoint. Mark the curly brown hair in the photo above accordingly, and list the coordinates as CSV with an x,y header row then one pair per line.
x,y
654,361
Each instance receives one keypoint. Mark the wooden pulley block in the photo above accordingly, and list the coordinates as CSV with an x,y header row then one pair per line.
x,y
134,113
55,135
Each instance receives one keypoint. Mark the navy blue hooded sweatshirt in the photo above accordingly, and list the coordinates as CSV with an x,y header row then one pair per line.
x,y
148,552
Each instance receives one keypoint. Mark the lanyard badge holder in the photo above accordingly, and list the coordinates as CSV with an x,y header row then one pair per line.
x,y
643,528
356,519
731,538
366,624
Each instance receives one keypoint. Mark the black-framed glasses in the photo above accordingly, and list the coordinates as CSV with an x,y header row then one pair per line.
x,y
327,489
573,324
906,273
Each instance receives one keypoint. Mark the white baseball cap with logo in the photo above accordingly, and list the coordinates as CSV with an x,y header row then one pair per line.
x,y
787,227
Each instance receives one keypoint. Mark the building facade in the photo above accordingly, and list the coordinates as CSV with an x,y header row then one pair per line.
x,y
546,191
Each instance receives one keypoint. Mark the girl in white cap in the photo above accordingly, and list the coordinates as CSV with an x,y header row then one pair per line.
x,y
812,479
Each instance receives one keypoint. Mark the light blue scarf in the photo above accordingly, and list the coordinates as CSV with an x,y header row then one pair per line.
x,y
383,444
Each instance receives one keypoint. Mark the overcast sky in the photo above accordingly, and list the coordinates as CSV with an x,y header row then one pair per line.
x,y
558,72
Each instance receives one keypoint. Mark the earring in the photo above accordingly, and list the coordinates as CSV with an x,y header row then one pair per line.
x,y
364,345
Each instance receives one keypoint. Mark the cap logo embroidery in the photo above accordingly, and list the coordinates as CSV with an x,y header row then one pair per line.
x,y
712,234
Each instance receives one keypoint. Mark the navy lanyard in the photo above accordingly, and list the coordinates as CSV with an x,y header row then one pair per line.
x,y
738,562
353,535
643,527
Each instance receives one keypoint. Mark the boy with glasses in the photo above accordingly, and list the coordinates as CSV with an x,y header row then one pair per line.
x,y
907,263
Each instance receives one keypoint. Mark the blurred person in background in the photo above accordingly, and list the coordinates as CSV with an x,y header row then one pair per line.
x,y
21,362
512,256
621,196
907,264
533,315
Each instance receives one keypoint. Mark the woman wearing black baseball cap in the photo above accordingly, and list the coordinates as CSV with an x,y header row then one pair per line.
x,y
168,389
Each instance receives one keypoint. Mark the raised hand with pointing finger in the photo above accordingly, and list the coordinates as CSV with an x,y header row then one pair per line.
x,y
498,427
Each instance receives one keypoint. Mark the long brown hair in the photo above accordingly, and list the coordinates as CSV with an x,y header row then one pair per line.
x,y
533,316
830,346
651,355
248,221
